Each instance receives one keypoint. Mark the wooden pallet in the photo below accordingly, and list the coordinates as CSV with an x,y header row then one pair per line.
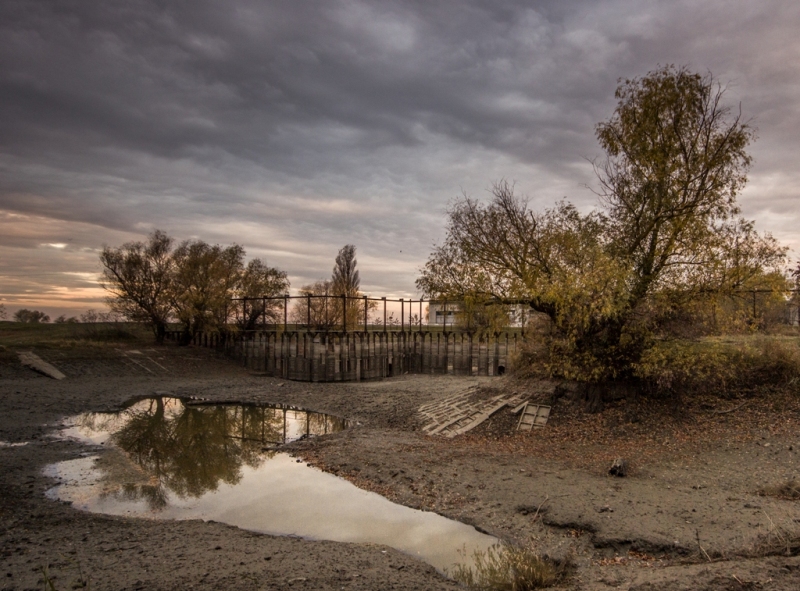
x,y
533,415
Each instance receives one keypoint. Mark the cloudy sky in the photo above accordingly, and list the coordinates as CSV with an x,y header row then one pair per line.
x,y
293,127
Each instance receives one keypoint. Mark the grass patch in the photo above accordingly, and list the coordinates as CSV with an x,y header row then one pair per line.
x,y
15,336
782,539
505,567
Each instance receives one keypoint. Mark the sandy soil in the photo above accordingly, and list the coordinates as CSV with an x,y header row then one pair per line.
x,y
689,516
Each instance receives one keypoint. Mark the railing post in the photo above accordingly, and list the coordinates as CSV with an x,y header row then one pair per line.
x,y
308,310
285,311
402,315
384,313
366,306
344,313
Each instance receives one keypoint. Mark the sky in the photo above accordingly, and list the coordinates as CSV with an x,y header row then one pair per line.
x,y
294,127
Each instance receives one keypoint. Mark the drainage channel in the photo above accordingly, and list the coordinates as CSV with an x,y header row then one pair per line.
x,y
167,458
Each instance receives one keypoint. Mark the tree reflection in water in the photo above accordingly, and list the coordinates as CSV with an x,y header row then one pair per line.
x,y
189,449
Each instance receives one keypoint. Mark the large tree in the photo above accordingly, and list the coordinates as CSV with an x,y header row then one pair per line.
x,y
203,282
318,309
345,278
137,276
194,283
258,282
676,159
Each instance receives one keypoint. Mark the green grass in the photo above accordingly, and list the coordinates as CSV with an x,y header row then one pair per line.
x,y
16,336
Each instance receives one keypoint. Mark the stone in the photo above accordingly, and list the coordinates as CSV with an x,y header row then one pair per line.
x,y
619,468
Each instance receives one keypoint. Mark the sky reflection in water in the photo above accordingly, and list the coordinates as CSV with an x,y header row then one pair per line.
x,y
170,460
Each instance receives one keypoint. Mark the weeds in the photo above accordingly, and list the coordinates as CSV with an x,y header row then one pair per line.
x,y
16,336
781,539
505,567
82,582
48,582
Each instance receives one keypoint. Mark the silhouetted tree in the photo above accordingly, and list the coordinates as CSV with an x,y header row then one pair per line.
x,y
31,316
260,281
138,277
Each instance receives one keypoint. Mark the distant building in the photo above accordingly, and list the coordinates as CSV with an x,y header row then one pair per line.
x,y
438,312
446,313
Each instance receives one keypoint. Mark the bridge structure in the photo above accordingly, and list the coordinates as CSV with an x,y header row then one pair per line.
x,y
334,338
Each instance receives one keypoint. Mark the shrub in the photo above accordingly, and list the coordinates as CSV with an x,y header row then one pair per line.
x,y
720,366
31,316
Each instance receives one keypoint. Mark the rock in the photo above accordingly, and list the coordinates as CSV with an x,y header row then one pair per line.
x,y
619,468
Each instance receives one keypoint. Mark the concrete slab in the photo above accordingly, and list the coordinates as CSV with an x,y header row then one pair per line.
x,y
36,363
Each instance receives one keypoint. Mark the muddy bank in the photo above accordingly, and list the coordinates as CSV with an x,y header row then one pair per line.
x,y
689,516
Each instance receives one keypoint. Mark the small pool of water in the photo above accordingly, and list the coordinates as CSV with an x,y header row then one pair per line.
x,y
173,459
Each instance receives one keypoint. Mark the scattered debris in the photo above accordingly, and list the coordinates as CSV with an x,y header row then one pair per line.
x,y
519,408
533,415
460,413
619,468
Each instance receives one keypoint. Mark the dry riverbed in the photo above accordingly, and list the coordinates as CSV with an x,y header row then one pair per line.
x,y
689,516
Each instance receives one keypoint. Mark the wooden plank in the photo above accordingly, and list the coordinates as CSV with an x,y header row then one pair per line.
x,y
519,408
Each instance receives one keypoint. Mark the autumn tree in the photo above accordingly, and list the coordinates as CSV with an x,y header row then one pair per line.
x,y
257,282
317,308
193,284
676,159
137,276
203,281
345,281
331,303
345,278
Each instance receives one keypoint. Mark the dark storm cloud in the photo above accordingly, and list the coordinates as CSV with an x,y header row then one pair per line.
x,y
294,127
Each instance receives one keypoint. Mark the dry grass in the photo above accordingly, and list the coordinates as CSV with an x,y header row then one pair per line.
x,y
783,538
789,490
505,567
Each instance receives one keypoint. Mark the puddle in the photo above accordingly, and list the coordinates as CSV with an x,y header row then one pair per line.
x,y
167,459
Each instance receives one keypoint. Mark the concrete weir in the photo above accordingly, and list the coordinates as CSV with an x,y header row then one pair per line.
x,y
366,355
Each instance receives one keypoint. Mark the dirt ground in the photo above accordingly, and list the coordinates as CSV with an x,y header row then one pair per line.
x,y
690,514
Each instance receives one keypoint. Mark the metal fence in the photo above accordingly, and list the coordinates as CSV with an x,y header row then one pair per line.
x,y
340,338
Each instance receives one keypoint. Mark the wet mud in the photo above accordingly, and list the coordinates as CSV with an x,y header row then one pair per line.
x,y
689,516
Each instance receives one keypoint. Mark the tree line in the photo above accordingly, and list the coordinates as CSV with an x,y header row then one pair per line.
x,y
194,284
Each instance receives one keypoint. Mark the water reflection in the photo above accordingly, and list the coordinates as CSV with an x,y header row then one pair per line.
x,y
171,446
173,459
